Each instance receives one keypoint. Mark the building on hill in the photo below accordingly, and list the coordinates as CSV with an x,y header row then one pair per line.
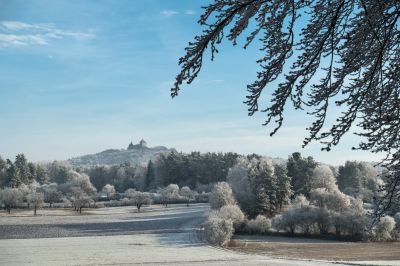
x,y
130,146
142,144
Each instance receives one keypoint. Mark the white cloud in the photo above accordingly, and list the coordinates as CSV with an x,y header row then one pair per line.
x,y
16,33
190,12
169,13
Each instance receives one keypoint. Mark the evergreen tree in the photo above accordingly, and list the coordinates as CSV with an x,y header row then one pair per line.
x,y
150,176
22,164
13,175
284,187
3,172
41,174
32,172
264,185
301,171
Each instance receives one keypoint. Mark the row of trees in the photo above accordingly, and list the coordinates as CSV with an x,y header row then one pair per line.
x,y
326,212
300,196
13,174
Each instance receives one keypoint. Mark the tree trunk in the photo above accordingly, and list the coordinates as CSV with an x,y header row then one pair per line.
x,y
138,208
9,210
80,210
34,212
51,204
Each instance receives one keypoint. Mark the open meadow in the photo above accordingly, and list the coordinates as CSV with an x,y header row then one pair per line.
x,y
121,236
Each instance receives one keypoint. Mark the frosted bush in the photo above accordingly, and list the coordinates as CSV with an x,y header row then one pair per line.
x,y
100,205
384,228
233,213
221,195
218,230
260,225
277,223
289,220
114,203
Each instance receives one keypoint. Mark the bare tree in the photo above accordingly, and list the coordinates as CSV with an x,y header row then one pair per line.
x,y
51,193
169,193
347,54
36,200
138,198
80,199
109,190
186,193
10,197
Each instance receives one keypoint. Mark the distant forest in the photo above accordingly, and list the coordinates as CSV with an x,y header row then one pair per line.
x,y
198,171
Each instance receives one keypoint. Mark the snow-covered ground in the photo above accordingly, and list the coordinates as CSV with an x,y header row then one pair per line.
x,y
118,236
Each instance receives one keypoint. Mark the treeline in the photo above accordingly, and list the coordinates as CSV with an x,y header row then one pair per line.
x,y
302,197
263,185
13,174
194,170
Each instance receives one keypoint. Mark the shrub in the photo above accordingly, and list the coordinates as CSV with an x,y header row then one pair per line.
x,y
383,230
233,213
277,222
289,220
260,225
218,230
221,195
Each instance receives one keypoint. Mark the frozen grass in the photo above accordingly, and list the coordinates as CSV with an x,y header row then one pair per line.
x,y
307,248
118,236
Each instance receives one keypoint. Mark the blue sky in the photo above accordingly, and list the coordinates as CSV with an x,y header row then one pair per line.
x,y
78,77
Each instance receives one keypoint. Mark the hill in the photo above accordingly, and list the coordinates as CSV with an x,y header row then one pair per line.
x,y
135,154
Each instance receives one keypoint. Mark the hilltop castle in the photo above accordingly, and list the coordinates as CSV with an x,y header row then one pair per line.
x,y
142,144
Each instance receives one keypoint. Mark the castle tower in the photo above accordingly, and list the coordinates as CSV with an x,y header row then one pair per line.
x,y
130,146
143,143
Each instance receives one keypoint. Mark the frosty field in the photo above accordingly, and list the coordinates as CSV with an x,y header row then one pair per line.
x,y
120,236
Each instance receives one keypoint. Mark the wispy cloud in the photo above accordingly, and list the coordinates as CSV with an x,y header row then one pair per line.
x,y
169,13
190,12
16,33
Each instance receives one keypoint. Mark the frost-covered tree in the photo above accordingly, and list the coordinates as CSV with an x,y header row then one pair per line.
x,y
383,229
10,197
289,220
13,175
320,53
284,187
187,194
233,213
264,185
138,198
218,230
51,193
323,177
150,176
41,174
239,181
80,181
331,200
109,190
3,172
80,199
301,170
221,195
22,164
36,200
260,225
169,194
